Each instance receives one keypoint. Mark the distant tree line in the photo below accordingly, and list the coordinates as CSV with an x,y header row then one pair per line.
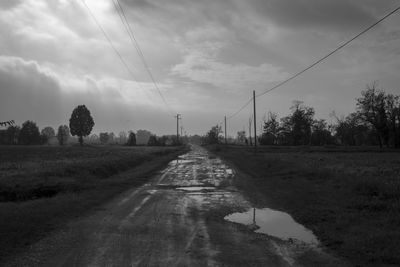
x,y
376,121
80,125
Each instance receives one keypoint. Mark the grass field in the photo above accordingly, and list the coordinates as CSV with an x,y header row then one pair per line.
x,y
42,188
350,198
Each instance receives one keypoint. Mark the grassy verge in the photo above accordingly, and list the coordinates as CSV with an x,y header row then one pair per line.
x,y
42,188
349,198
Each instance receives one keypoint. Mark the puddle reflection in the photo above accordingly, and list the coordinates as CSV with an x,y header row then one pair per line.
x,y
274,223
196,188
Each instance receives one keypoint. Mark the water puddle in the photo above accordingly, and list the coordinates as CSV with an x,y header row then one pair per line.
x,y
274,223
196,188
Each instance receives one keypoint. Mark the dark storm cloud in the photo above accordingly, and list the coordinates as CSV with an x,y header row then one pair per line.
x,y
29,92
340,15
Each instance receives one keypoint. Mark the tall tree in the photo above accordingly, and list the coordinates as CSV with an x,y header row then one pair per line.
x,y
131,139
212,137
296,128
63,134
104,138
371,107
29,134
122,137
270,129
241,137
81,122
13,134
46,134
153,141
392,106
320,134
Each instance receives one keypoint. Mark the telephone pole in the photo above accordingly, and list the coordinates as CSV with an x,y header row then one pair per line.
x,y
178,117
225,130
255,124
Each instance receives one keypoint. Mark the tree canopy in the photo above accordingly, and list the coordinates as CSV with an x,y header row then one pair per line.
x,y
81,122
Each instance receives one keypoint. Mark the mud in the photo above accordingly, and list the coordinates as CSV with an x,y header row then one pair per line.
x,y
176,220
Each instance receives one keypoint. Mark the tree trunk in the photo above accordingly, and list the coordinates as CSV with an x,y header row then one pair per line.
x,y
81,140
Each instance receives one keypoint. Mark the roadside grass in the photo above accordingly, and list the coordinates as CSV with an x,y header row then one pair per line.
x,y
349,198
42,188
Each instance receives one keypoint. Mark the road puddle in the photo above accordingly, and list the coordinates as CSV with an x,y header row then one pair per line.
x,y
196,188
274,223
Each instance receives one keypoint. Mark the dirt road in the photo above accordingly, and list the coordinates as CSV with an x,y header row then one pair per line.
x,y
176,220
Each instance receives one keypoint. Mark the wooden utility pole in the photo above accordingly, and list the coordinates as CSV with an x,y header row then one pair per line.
x,y
255,124
225,130
178,117
250,142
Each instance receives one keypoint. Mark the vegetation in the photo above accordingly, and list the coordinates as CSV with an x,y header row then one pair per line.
x,y
131,139
63,134
349,197
43,187
29,134
81,122
213,136
376,121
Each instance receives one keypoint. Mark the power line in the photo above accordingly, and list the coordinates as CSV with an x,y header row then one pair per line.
x,y
110,42
330,53
135,43
318,61
239,110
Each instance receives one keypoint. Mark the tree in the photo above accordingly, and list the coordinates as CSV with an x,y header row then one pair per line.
x,y
81,122
296,128
111,138
270,130
352,130
122,137
29,134
241,137
12,133
63,134
320,134
131,139
104,138
46,134
371,107
392,107
142,137
94,139
153,141
212,137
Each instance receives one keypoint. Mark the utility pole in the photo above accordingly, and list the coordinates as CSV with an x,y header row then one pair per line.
x,y
225,130
250,142
181,130
255,124
178,117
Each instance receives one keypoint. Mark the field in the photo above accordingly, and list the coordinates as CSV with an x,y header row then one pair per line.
x,y
350,198
42,188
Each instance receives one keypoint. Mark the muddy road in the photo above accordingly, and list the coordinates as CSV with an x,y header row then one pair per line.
x,y
189,215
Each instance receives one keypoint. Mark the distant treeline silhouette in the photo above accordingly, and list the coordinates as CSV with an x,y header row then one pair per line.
x,y
376,121
80,125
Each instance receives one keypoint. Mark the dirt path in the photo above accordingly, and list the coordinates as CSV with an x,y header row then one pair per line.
x,y
176,220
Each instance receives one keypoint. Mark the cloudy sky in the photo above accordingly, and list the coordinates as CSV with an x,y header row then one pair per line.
x,y
206,56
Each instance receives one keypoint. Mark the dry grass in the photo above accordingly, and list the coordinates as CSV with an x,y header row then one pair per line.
x,y
42,188
349,198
